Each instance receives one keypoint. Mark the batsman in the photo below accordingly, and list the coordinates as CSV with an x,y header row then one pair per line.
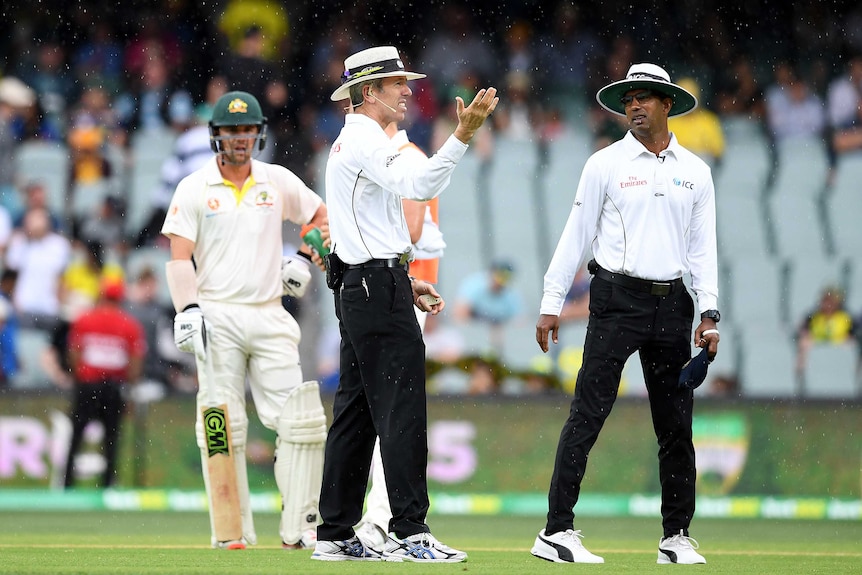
x,y
226,276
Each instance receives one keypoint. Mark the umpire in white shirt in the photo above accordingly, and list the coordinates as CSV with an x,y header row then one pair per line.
x,y
645,208
381,390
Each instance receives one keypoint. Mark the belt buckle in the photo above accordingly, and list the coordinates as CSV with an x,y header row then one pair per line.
x,y
660,288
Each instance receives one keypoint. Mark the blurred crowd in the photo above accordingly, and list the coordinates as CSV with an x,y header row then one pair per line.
x,y
96,79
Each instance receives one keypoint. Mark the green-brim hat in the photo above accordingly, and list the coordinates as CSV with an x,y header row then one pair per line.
x,y
646,76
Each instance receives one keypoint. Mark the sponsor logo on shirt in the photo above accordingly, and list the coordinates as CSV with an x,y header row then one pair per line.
x,y
633,182
391,159
683,183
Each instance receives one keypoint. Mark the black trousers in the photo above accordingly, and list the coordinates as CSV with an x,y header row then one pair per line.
x,y
381,392
621,322
96,402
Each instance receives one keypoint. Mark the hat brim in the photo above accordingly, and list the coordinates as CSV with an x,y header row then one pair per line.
x,y
609,96
694,371
343,91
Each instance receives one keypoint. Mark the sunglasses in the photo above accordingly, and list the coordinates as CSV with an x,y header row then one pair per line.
x,y
640,97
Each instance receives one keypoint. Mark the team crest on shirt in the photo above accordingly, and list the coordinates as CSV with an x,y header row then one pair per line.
x,y
263,199
213,204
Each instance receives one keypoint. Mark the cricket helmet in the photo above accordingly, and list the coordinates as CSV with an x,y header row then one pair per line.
x,y
237,109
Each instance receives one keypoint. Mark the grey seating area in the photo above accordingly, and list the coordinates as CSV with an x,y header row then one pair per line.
x,y
786,221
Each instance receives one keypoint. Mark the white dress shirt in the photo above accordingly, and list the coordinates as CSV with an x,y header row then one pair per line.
x,y
643,216
366,177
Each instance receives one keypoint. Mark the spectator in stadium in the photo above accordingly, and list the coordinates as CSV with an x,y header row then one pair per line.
x,y
738,91
48,74
488,295
98,60
152,101
577,304
40,256
246,68
700,130
143,303
106,349
829,323
844,108
35,195
455,49
9,364
15,98
567,54
790,96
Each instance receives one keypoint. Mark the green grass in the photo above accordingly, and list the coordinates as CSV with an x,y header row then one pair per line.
x,y
143,543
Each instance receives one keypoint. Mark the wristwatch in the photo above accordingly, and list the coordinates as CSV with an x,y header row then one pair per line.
x,y
711,314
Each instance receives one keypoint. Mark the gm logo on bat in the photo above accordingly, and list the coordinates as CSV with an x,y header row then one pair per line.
x,y
215,429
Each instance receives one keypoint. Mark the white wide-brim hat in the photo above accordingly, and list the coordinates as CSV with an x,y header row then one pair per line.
x,y
16,93
377,62
646,76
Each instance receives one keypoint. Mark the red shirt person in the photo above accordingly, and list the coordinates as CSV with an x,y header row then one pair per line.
x,y
106,347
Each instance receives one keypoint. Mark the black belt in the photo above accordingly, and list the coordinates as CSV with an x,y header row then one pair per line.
x,y
646,286
389,263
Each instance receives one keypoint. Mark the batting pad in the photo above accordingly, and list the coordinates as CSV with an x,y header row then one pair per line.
x,y
299,460
239,434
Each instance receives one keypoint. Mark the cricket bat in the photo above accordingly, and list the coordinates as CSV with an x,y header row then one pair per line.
x,y
227,519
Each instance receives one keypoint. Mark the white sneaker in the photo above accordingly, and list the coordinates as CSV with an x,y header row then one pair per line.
x,y
563,547
349,550
421,548
678,549
372,536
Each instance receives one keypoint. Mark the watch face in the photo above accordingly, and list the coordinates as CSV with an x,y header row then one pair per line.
x,y
711,314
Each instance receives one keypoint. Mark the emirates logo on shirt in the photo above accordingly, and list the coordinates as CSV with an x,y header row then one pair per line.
x,y
633,182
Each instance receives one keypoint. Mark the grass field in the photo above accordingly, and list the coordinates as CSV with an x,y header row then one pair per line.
x,y
144,543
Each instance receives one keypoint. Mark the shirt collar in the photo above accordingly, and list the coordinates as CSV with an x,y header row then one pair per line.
x,y
634,148
361,119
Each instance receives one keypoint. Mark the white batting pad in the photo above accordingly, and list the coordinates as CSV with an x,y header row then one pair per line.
x,y
299,460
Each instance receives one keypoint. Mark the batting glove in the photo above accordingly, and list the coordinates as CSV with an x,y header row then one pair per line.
x,y
295,275
191,330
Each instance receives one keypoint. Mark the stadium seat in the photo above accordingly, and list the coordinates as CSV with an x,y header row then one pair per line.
x,y
31,346
831,372
47,162
795,197
756,290
845,204
740,227
767,362
515,226
462,229
149,151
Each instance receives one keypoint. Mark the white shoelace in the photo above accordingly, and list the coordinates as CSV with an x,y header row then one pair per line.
x,y
683,540
575,536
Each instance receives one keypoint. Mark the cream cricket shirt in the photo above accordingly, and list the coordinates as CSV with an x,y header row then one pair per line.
x,y
238,233
642,216
366,177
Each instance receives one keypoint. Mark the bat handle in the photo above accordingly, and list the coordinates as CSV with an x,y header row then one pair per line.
x,y
212,396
